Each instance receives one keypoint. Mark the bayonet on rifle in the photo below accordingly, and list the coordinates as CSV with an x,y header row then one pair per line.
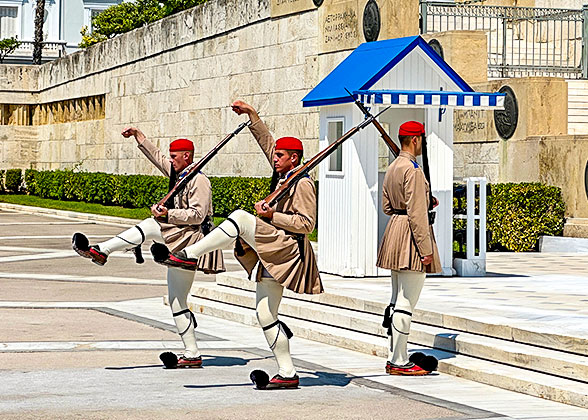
x,y
279,193
391,145
197,167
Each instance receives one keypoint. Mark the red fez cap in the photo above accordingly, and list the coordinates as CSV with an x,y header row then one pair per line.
x,y
181,145
289,143
411,128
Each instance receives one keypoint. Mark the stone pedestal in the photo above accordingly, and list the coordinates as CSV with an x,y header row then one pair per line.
x,y
469,268
466,52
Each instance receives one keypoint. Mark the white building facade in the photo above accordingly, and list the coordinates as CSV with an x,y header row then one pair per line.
x,y
64,20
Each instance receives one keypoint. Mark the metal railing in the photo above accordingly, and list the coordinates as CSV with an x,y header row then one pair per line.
x,y
522,41
51,50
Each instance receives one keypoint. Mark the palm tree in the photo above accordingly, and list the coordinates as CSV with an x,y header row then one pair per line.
x,y
38,43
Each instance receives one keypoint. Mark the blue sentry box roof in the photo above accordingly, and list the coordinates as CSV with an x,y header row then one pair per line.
x,y
367,64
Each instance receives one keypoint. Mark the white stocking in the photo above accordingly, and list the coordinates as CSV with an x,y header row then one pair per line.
x,y
132,237
268,297
225,235
179,283
410,284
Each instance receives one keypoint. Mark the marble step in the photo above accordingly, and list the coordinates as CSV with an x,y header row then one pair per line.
x,y
501,328
497,350
494,374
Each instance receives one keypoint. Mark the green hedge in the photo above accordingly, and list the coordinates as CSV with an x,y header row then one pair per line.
x,y
517,215
2,172
135,191
13,180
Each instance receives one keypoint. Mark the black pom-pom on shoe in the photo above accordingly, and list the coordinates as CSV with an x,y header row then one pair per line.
x,y
160,252
259,378
417,357
429,363
169,359
80,242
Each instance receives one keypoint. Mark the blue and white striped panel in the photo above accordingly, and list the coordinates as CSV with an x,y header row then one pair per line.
x,y
424,99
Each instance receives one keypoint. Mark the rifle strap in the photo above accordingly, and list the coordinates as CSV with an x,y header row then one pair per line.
x,y
169,204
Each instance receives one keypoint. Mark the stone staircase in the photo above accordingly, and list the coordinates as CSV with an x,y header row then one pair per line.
x,y
533,363
578,107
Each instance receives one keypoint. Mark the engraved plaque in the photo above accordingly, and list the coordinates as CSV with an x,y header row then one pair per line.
x,y
286,7
339,26
371,21
507,119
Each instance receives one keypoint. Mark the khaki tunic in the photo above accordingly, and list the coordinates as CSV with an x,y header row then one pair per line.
x,y
192,205
277,247
407,237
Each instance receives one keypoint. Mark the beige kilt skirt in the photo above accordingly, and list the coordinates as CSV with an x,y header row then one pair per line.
x,y
179,237
278,251
398,250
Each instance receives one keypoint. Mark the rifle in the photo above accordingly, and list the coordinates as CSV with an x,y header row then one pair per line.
x,y
197,167
193,169
391,145
279,193
395,150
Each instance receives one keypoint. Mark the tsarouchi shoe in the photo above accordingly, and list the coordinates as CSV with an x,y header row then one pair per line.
x,y
279,382
189,362
410,369
81,245
161,255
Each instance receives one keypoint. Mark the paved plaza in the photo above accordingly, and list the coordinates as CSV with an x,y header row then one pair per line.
x,y
82,341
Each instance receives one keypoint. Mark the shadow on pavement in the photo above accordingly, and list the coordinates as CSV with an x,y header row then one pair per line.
x,y
132,367
217,386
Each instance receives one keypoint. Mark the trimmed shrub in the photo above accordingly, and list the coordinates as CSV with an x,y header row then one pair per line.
x,y
230,194
519,213
29,181
13,180
136,191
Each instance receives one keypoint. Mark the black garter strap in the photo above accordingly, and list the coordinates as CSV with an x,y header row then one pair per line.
x,y
141,232
287,330
279,323
192,319
238,247
400,311
132,243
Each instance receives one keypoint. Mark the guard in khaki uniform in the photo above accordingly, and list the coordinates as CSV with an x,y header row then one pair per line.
x,y
184,223
408,247
276,239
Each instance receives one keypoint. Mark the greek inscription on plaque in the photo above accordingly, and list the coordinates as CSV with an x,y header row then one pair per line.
x,y
340,27
469,122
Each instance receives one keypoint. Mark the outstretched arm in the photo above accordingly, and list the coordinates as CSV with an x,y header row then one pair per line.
x,y
258,129
149,150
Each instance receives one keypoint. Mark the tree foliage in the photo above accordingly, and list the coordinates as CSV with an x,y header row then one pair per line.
x,y
7,46
125,17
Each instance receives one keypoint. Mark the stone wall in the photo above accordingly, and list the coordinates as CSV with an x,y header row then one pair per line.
x,y
177,77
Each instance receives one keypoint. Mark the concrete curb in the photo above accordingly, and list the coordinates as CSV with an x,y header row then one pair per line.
x,y
65,214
